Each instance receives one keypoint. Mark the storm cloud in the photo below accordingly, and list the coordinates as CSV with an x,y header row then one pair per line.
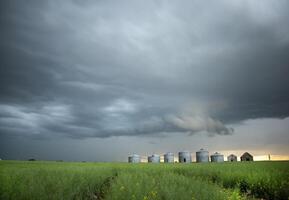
x,y
107,68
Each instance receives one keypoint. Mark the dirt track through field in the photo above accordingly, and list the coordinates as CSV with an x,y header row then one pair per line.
x,y
104,188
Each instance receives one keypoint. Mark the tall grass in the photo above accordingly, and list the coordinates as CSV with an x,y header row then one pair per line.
x,y
51,180
67,180
160,185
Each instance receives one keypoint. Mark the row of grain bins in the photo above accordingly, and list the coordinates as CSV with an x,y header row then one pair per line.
x,y
185,157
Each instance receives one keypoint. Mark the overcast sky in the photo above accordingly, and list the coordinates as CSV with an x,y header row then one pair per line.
x,y
98,80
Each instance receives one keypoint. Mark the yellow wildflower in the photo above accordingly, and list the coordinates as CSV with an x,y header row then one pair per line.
x,y
122,188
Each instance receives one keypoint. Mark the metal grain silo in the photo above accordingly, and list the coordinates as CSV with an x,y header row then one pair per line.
x,y
154,158
134,158
202,156
217,157
185,157
169,157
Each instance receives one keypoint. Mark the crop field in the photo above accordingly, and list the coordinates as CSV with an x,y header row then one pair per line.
x,y
77,180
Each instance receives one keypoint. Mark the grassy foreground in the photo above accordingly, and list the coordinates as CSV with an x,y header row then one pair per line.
x,y
67,180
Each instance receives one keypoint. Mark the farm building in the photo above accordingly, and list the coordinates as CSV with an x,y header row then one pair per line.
x,y
202,156
217,157
154,158
232,158
246,157
134,158
185,157
169,157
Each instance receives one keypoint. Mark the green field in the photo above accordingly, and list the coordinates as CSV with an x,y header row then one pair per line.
x,y
72,180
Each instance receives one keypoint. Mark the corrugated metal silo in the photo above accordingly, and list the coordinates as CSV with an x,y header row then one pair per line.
x,y
134,158
202,156
185,157
154,158
217,157
169,157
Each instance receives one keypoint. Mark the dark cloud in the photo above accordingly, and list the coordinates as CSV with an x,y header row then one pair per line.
x,y
101,69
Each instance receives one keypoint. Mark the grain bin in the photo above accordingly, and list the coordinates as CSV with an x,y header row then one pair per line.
x,y
202,156
185,157
169,157
134,158
154,158
217,157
